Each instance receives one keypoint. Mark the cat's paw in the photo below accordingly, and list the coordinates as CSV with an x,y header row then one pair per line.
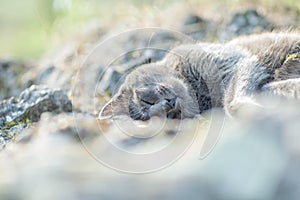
x,y
289,89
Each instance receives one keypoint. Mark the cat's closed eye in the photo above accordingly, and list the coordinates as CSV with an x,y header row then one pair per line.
x,y
147,96
151,103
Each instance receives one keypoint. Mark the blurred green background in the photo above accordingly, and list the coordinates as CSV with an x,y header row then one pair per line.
x,y
29,27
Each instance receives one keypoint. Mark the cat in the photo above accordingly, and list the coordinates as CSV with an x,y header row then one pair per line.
x,y
193,78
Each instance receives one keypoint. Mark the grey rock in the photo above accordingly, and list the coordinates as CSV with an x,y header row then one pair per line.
x,y
196,26
16,113
36,100
192,19
8,133
246,23
32,102
9,78
110,79
243,23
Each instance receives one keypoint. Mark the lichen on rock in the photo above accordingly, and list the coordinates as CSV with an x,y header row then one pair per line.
x,y
17,113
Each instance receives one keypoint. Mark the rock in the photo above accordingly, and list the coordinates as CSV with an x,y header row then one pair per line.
x,y
16,113
110,79
10,131
243,23
196,27
9,78
192,19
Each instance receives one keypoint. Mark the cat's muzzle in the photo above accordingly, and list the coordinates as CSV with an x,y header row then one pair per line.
x,y
167,108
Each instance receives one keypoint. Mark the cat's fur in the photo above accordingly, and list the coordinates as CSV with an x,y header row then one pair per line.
x,y
196,77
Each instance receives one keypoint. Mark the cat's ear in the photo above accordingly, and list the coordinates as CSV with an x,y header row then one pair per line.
x,y
112,108
107,110
118,105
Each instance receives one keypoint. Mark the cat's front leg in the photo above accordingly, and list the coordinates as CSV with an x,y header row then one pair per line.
x,y
289,89
286,89
241,92
242,105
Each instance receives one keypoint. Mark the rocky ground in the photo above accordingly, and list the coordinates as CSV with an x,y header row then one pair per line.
x,y
53,146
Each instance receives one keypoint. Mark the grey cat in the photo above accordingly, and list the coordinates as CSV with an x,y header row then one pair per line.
x,y
194,78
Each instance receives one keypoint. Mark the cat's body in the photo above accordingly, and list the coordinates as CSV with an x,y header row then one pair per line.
x,y
196,77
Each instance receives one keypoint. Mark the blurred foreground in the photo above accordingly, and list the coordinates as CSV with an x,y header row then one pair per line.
x,y
255,158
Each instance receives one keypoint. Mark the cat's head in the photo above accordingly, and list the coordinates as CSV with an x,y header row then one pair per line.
x,y
152,90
